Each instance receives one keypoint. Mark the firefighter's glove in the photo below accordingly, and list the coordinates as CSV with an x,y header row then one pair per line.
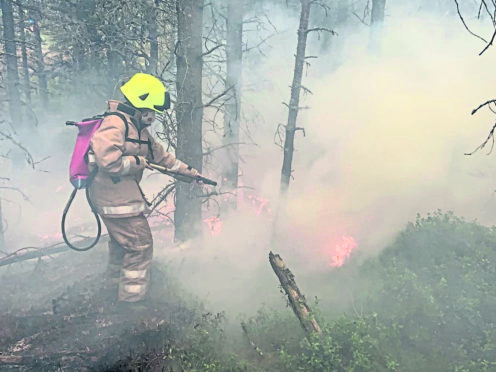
x,y
190,172
194,173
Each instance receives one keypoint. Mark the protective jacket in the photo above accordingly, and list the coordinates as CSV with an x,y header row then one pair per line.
x,y
118,149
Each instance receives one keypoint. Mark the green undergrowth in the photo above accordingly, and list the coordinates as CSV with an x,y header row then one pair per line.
x,y
429,306
345,344
435,294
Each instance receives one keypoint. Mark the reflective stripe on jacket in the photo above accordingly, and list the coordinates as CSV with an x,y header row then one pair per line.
x,y
115,149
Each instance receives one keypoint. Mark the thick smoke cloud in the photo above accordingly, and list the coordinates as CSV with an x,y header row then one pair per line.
x,y
385,137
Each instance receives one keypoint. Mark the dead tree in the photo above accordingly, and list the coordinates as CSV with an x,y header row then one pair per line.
x,y
296,87
294,105
189,111
11,61
294,102
376,24
234,54
296,299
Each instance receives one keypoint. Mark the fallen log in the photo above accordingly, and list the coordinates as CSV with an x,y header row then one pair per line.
x,y
10,359
296,299
29,253
23,360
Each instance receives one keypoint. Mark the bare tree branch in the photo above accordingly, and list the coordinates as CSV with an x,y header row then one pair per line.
x,y
484,104
490,42
362,20
217,97
25,197
29,158
465,24
491,132
210,51
319,29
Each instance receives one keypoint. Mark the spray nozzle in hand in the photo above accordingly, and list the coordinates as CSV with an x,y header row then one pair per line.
x,y
198,178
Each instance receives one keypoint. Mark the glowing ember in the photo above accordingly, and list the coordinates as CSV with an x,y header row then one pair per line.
x,y
214,225
55,236
342,251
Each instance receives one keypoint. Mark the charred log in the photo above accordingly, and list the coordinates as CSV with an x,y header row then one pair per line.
x,y
296,298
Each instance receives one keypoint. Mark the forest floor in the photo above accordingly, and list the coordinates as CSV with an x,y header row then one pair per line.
x,y
56,315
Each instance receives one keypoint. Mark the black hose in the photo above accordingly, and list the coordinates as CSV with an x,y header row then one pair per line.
x,y
98,222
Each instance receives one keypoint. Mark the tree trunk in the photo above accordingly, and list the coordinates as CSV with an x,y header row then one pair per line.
x,y
376,24
295,96
40,64
11,60
25,67
189,112
153,40
234,54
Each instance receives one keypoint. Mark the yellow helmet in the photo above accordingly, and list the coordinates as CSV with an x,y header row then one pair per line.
x,y
146,91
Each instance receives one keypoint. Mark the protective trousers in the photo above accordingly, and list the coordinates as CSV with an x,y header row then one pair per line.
x,y
130,255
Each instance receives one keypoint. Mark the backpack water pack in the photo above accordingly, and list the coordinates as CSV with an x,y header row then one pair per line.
x,y
80,175
79,169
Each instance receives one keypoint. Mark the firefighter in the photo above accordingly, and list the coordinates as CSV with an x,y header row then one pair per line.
x,y
121,149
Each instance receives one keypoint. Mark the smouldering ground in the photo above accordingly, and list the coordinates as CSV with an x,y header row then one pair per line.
x,y
56,314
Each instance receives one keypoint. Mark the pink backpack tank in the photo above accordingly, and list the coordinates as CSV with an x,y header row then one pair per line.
x,y
79,170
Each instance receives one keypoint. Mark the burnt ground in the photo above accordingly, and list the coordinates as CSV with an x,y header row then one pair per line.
x,y
56,315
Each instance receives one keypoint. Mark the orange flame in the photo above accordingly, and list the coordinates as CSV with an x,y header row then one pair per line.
x,y
342,250
214,225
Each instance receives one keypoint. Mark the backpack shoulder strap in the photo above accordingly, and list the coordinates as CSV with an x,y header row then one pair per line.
x,y
122,117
